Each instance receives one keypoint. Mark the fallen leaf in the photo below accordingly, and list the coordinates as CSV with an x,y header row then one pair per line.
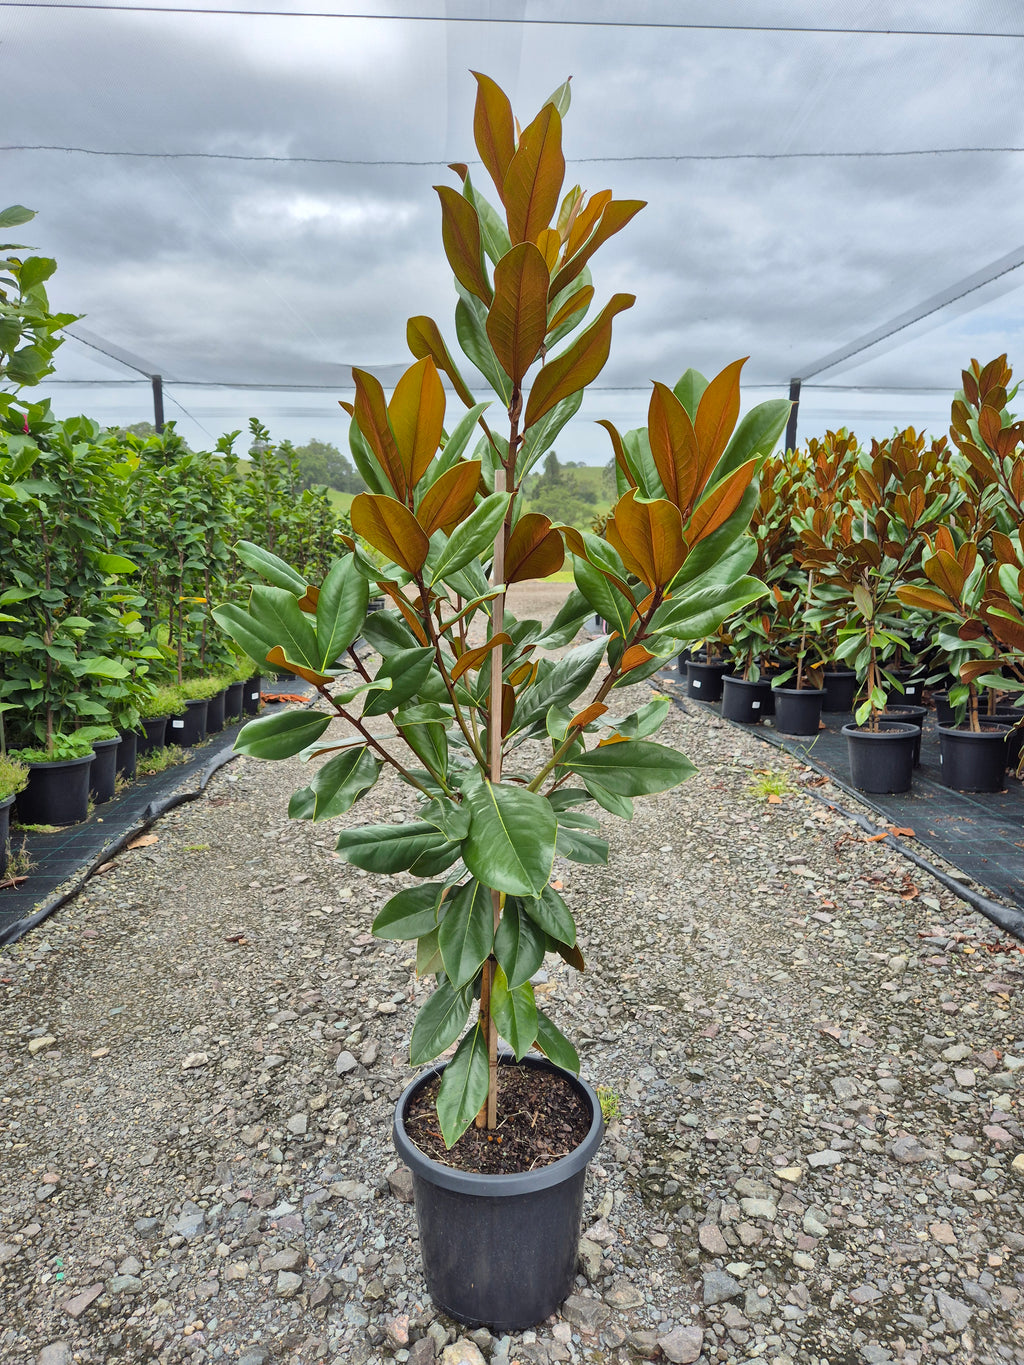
x,y
774,800
144,841
105,867
556,885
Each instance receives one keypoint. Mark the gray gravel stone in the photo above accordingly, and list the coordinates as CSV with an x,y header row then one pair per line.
x,y
718,1286
193,1181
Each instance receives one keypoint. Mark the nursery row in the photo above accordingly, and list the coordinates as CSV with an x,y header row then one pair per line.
x,y
48,792
901,566
115,549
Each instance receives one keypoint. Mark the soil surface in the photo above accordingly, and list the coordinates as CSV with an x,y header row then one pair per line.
x,y
817,1054
540,1119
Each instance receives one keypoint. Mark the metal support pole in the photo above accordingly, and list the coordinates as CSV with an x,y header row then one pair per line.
x,y
158,401
794,398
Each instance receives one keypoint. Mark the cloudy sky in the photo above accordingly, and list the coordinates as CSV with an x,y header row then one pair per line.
x,y
306,251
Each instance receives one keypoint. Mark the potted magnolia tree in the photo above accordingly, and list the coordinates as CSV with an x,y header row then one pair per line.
x,y
505,750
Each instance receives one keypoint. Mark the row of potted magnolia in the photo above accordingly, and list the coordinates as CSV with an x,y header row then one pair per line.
x,y
882,759
86,764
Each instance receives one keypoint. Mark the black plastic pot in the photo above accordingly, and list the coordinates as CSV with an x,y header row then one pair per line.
x,y
251,691
127,751
104,769
57,793
704,681
233,702
840,689
909,715
882,760
944,713
5,831
745,701
153,736
215,712
499,1250
189,727
973,761
798,710
913,688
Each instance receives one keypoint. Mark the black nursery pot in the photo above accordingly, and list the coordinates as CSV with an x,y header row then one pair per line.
x,y
499,1250
233,701
798,710
153,736
913,688
251,691
189,727
882,760
104,769
5,831
745,701
704,681
973,761
944,713
215,709
57,793
909,715
127,754
840,689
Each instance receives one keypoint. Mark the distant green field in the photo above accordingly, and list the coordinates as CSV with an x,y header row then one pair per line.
x,y
341,502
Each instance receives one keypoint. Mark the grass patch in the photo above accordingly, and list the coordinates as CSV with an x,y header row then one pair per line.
x,y
170,756
769,782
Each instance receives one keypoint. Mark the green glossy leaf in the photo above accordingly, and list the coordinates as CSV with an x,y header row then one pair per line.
x,y
281,736
636,767
472,538
463,1087
612,802
448,816
471,329
555,1045
439,1023
340,610
511,840
410,914
255,637
467,933
425,730
341,781
559,684
276,612
519,944
580,846
551,913
270,567
389,848
514,1011
428,955
407,671
385,631
115,564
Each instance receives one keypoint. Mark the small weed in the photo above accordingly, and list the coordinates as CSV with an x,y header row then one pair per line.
x,y
609,1101
161,759
768,782
197,848
40,829
19,864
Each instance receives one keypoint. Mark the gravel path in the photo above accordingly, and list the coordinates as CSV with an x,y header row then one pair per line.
x,y
819,1059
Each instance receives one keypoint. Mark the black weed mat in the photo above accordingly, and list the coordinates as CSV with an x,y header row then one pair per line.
x,y
70,853
982,834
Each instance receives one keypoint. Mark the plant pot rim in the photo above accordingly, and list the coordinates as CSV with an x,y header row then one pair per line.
x,y
990,728
499,1186
62,762
800,691
6,801
106,743
737,681
898,728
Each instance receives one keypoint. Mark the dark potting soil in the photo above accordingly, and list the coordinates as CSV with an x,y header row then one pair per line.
x,y
541,1117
